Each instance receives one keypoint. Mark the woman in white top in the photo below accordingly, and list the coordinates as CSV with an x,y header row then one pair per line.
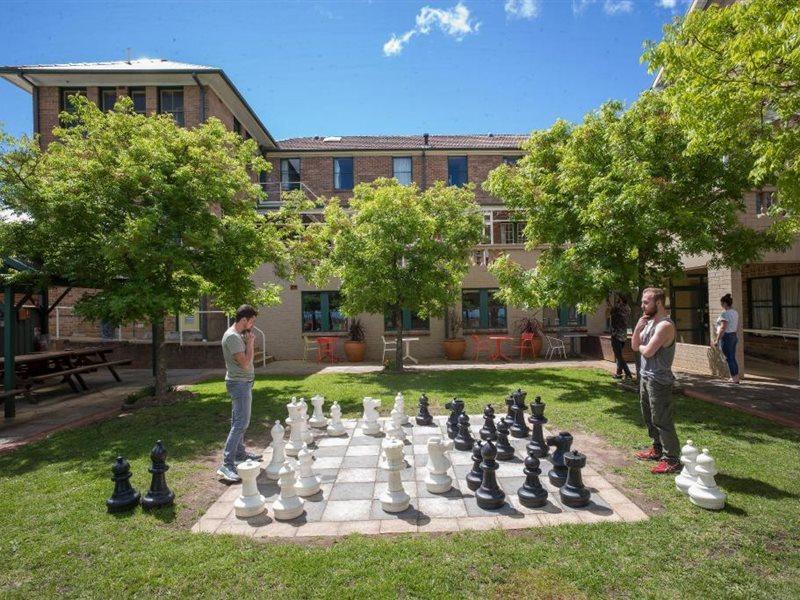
x,y
727,326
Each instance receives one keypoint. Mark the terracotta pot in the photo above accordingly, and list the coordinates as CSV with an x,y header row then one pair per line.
x,y
454,349
355,351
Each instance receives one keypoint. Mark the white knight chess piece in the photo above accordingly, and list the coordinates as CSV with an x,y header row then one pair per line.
x,y
687,476
288,505
394,499
400,405
250,503
705,492
438,481
318,420
306,484
336,428
278,454
370,425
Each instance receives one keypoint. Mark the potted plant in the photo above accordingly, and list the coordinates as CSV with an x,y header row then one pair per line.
x,y
355,346
534,326
454,344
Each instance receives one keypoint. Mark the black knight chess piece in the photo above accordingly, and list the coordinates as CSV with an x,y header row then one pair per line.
x,y
488,431
505,451
573,493
489,496
159,495
463,439
456,407
125,496
424,416
532,494
562,443
519,429
475,476
537,445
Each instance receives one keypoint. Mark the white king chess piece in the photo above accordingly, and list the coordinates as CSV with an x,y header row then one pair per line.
x,y
370,426
288,505
400,405
394,499
278,455
318,420
308,437
687,476
336,428
250,503
438,481
705,492
306,484
295,429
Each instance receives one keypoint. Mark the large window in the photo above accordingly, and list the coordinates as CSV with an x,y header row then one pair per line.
x,y
774,302
64,99
401,169
502,227
290,174
343,173
139,97
480,309
411,321
108,98
457,170
321,312
171,101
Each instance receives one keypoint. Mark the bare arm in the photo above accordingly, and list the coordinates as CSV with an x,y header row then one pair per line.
x,y
245,359
636,338
664,335
723,325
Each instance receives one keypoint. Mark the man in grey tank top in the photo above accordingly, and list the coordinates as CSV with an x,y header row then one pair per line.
x,y
654,339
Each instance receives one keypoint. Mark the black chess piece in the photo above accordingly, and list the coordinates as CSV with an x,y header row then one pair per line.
x,y
532,494
125,496
475,476
456,407
519,429
463,439
424,417
505,451
489,496
537,445
159,494
573,493
509,416
562,443
488,431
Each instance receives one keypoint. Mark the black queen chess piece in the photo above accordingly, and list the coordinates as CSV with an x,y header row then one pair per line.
x,y
489,496
537,445
475,476
456,407
463,439
125,496
532,494
488,431
519,429
159,495
573,493
562,443
424,416
505,451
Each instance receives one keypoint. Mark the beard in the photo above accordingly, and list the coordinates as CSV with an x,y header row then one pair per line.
x,y
651,312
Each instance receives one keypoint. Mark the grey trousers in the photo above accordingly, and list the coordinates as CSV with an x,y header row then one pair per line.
x,y
658,411
241,393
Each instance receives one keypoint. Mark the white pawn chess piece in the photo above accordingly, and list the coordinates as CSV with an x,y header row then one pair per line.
x,y
336,428
437,480
371,425
308,437
400,405
687,476
288,505
296,429
705,492
278,454
250,503
318,420
306,484
394,499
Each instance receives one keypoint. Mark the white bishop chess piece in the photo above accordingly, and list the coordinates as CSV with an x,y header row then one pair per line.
x,y
437,480
400,405
370,425
288,505
318,420
295,429
705,492
308,437
336,428
250,503
687,476
278,455
394,499
307,484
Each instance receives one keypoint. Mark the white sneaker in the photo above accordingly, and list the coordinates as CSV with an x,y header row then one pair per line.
x,y
228,474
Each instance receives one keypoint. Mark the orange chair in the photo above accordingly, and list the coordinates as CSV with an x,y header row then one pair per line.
x,y
480,344
526,343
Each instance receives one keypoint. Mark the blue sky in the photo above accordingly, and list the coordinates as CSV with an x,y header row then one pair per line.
x,y
364,67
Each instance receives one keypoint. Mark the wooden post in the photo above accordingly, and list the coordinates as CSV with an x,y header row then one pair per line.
x,y
9,321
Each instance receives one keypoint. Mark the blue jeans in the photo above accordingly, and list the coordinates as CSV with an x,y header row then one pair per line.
x,y
728,346
241,393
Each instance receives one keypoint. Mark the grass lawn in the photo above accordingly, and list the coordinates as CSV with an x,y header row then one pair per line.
x,y
56,538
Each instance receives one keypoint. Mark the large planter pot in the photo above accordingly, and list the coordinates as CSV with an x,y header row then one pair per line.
x,y
355,351
454,349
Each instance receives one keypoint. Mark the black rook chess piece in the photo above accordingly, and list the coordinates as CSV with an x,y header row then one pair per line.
x,y
532,494
488,431
424,417
489,496
562,443
537,445
456,407
505,451
519,429
475,476
159,494
463,439
573,493
125,496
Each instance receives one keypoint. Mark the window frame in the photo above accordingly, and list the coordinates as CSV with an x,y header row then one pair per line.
x,y
511,161
761,207
388,327
410,169
484,313
352,173
325,312
101,98
161,90
777,303
287,186
466,170
63,105
143,92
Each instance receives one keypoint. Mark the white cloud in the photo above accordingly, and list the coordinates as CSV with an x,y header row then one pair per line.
x,y
667,3
610,7
522,9
454,22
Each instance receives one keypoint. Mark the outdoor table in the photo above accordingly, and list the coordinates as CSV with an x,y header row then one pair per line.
x,y
327,345
572,336
498,341
407,344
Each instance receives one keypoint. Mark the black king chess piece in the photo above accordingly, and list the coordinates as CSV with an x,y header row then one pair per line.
x,y
562,443
424,416
505,451
519,429
489,496
456,407
125,496
532,494
488,431
475,476
463,439
537,445
159,494
573,493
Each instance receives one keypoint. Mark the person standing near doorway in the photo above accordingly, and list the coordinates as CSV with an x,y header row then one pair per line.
x,y
620,313
727,337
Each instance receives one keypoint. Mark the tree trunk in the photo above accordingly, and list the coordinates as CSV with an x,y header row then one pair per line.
x,y
398,353
159,359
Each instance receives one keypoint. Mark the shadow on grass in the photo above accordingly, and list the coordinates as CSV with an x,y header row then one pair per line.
x,y
752,487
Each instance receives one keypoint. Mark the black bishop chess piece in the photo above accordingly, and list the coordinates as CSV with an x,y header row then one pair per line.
x,y
573,493
125,496
424,416
489,496
509,416
519,429
537,445
475,476
456,407
159,495
505,451
488,431
463,439
532,494
562,443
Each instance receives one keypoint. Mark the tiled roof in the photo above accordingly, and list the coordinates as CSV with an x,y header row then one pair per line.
x,y
405,142
139,64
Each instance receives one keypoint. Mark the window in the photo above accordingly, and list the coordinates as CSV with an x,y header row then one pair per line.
x,y
511,160
290,174
568,316
774,302
764,202
480,309
343,173
171,102
237,127
410,321
65,104
108,98
512,232
457,170
761,303
139,97
401,168
501,227
262,180
321,312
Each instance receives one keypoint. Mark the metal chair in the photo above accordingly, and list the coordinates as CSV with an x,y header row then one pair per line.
x,y
554,346
480,344
388,346
309,345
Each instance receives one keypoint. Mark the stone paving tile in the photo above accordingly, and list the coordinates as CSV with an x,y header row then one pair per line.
x,y
323,528
409,514
398,526
364,527
360,461
330,451
360,451
478,523
206,525
352,491
356,475
442,507
347,510
328,462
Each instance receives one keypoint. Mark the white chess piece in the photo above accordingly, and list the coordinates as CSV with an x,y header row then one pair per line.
x,y
400,405
438,481
705,492
371,425
397,431
296,429
288,505
278,454
306,484
394,499
308,437
250,502
687,476
336,428
318,420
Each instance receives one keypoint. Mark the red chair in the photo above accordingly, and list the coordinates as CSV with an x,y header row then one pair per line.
x,y
526,342
480,344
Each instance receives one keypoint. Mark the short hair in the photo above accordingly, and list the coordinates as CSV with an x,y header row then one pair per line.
x,y
727,300
245,311
658,294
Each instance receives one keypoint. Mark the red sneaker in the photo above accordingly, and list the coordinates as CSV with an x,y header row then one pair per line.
x,y
665,466
649,454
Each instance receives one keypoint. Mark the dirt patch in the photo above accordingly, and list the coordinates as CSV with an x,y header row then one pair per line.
x,y
143,399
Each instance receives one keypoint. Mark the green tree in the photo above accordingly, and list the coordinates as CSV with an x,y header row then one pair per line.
x,y
397,248
150,215
732,77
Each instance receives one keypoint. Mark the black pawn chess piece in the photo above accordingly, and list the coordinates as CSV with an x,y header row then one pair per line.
x,y
537,445
125,496
562,443
159,494
475,476
424,417
532,494
488,431
509,416
489,496
463,439
519,429
456,407
573,493
505,451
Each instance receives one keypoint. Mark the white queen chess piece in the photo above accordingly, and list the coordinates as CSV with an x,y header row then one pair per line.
x,y
308,437
295,429
250,503
306,484
370,425
705,492
336,428
400,405
437,480
394,499
288,505
318,420
687,476
278,455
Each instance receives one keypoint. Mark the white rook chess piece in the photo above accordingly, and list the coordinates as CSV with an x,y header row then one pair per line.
x,y
250,503
278,455
394,499
336,428
687,476
371,425
400,405
308,437
438,481
318,420
306,484
704,492
295,431
288,505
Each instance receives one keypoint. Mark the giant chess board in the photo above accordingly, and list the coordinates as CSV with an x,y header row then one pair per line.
x,y
352,482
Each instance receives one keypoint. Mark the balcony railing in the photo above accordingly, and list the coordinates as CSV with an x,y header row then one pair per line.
x,y
275,189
